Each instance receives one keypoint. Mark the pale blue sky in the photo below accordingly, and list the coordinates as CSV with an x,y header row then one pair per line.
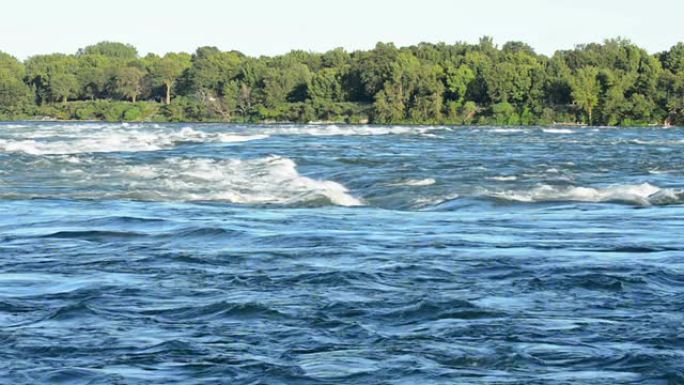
x,y
257,27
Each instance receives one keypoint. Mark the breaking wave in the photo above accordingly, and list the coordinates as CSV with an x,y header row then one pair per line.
x,y
269,180
558,131
114,139
503,178
638,194
348,130
507,130
99,138
261,181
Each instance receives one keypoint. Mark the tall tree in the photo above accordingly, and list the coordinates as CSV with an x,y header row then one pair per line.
x,y
53,76
93,73
457,82
128,82
13,91
169,69
585,90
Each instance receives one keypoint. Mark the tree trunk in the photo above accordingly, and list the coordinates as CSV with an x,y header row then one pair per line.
x,y
590,116
64,100
168,94
133,98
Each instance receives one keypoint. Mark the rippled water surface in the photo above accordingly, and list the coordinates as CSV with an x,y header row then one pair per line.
x,y
208,254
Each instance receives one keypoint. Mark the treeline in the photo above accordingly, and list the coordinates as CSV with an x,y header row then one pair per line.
x,y
614,83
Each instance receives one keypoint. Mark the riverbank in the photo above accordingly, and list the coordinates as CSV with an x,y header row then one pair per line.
x,y
185,111
469,84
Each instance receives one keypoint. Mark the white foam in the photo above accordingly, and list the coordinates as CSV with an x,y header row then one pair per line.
x,y
507,130
76,139
434,200
233,138
271,180
641,194
503,178
558,130
653,142
659,172
111,144
416,182
347,130
57,139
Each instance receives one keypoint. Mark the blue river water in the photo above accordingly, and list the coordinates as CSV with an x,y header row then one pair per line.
x,y
322,254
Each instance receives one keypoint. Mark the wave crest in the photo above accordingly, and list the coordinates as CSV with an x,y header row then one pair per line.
x,y
114,139
348,130
639,194
415,182
270,180
558,130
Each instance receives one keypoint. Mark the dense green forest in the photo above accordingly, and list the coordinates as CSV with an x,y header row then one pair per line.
x,y
613,83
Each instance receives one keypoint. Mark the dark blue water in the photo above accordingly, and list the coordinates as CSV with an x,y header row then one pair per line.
x,y
213,254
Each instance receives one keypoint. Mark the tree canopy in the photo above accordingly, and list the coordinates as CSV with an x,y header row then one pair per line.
x,y
609,83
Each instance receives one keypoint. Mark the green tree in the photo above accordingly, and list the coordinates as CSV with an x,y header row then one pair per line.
x,y
128,82
389,105
458,81
614,104
374,68
481,64
504,114
286,82
11,66
14,93
53,76
337,58
168,70
211,69
63,85
585,90
113,50
93,73
671,83
468,112
326,86
427,101
613,82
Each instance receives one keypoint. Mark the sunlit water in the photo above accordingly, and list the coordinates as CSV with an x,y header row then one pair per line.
x,y
207,254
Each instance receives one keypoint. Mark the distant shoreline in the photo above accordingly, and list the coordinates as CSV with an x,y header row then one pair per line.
x,y
333,123
614,83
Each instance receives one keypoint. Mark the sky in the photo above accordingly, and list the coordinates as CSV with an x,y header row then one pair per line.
x,y
269,27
